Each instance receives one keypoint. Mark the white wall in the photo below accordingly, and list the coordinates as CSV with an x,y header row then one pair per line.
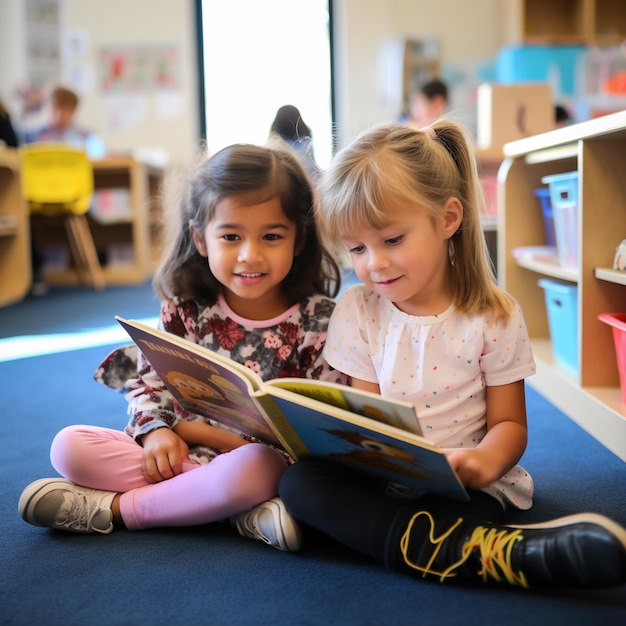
x,y
149,120
170,120
11,55
467,31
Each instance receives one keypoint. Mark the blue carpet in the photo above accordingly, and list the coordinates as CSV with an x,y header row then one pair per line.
x,y
210,575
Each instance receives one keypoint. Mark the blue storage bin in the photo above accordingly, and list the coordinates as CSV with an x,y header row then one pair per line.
x,y
544,64
564,200
543,193
562,307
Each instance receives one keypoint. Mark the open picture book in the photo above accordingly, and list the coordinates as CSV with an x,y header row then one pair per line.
x,y
304,417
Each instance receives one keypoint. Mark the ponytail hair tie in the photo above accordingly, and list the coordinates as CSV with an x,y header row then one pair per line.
x,y
430,131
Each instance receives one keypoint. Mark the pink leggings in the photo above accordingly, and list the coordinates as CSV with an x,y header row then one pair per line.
x,y
102,458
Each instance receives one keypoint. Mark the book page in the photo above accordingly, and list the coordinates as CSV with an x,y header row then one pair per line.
x,y
386,410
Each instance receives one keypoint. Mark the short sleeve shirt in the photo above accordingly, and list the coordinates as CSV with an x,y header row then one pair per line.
x,y
442,364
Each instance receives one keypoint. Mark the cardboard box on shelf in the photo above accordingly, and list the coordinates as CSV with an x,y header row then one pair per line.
x,y
510,112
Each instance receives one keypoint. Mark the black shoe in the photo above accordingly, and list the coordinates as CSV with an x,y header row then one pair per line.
x,y
586,550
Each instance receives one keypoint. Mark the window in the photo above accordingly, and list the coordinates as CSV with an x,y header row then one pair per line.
x,y
258,56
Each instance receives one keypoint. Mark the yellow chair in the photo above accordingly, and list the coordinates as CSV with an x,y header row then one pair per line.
x,y
57,179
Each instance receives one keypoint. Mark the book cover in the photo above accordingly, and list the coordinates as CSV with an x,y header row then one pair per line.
x,y
220,391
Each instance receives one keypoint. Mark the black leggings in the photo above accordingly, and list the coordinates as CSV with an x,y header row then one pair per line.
x,y
353,508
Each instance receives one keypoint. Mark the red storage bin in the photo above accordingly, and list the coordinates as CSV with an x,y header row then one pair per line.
x,y
618,322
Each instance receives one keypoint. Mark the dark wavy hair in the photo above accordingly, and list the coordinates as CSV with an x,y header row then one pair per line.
x,y
266,172
289,125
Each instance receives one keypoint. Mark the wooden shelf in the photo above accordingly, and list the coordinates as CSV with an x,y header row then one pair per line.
x,y
571,22
137,235
610,275
15,262
9,225
549,269
596,149
130,244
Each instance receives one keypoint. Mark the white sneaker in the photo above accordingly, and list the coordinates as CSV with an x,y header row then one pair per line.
x,y
271,523
60,504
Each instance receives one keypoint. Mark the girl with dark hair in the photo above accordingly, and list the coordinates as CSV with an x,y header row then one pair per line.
x,y
244,273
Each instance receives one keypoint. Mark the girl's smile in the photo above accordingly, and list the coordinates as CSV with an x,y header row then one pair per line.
x,y
385,283
250,279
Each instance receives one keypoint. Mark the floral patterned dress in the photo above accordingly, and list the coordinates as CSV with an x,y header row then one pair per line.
x,y
289,345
